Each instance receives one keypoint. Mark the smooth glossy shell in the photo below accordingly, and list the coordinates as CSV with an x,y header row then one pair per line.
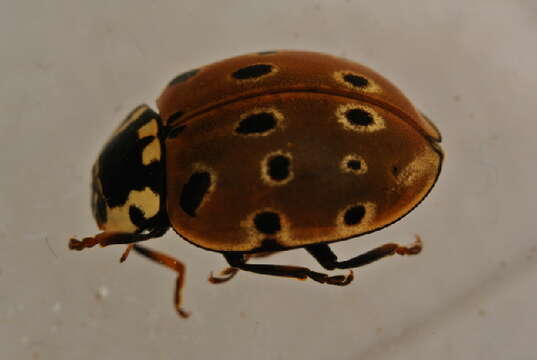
x,y
211,86
287,149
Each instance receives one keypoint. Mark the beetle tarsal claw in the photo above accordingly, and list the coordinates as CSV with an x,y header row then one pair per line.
x,y
225,275
339,280
414,248
184,314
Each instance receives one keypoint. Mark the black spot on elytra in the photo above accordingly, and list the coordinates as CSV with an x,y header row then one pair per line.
x,y
194,191
173,133
356,80
136,215
278,167
359,117
354,215
268,52
183,77
267,222
395,170
252,72
354,164
270,244
120,166
256,124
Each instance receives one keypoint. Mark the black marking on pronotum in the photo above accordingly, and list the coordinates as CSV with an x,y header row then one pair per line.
x,y
359,117
100,212
267,222
354,215
128,117
253,71
194,191
120,167
278,167
136,216
183,77
173,133
98,204
356,80
256,124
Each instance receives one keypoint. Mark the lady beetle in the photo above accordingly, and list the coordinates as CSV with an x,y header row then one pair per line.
x,y
262,153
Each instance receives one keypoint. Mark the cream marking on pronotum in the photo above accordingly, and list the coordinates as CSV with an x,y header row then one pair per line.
x,y
145,200
131,118
152,151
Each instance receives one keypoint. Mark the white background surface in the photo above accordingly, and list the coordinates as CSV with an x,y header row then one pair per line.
x,y
71,70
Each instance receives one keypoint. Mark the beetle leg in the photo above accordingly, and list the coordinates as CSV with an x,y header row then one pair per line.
x,y
230,272
106,238
301,273
324,255
170,263
126,253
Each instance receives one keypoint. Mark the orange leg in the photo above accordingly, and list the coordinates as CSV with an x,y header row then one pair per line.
x,y
170,263
114,237
106,238
126,253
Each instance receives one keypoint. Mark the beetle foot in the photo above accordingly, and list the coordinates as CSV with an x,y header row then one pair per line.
x,y
339,280
104,238
182,313
225,275
414,249
75,244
